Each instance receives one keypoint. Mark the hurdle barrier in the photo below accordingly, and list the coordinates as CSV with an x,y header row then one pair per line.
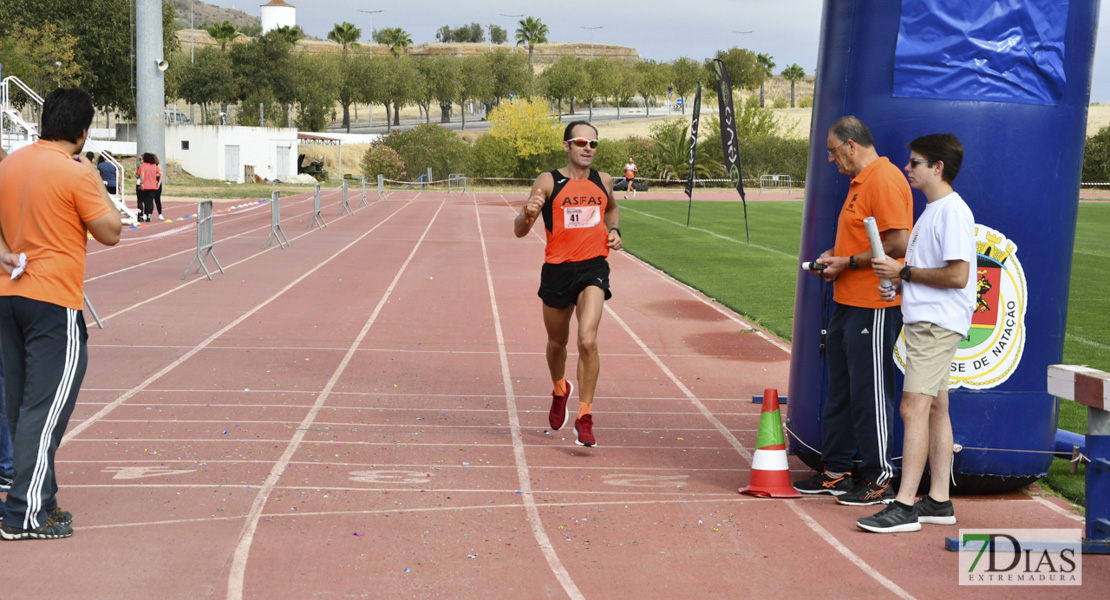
x,y
276,232
317,216
345,206
456,183
205,241
363,200
1091,388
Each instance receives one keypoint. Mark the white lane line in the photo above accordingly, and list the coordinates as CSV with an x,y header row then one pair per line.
x,y
1083,340
1060,510
712,233
702,408
238,573
197,280
809,521
851,556
76,430
527,496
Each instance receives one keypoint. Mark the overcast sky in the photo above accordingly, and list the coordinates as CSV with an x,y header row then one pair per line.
x,y
788,30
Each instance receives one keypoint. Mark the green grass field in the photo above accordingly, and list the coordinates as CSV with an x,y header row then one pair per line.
x,y
757,280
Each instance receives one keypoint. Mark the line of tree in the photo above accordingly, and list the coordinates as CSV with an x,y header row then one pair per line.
x,y
270,70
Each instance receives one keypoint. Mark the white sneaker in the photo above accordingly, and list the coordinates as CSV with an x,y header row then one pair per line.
x,y
626,196
633,193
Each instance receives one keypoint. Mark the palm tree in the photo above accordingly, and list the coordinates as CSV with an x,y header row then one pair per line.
x,y
766,63
396,38
346,35
673,149
532,31
224,33
290,33
793,74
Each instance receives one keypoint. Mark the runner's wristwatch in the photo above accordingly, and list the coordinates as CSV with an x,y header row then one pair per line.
x,y
905,273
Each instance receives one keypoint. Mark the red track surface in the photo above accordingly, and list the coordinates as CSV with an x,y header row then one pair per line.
x,y
363,415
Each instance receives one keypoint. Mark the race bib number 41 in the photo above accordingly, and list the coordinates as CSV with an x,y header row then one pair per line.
x,y
576,217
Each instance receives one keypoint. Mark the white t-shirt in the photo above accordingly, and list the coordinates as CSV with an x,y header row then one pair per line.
x,y
944,232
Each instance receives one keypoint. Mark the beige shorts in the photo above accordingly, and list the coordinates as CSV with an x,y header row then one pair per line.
x,y
929,353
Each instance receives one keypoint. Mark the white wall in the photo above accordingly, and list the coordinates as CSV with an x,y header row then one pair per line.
x,y
274,17
207,152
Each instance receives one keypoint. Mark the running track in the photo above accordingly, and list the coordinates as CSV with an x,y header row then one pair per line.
x,y
363,415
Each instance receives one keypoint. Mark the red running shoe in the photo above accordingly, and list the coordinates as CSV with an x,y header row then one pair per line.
x,y
584,431
559,415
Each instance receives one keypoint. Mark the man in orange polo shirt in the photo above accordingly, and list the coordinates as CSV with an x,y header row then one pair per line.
x,y
581,219
863,328
48,203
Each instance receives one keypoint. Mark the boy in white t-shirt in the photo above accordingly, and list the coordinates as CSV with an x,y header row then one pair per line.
x,y
938,284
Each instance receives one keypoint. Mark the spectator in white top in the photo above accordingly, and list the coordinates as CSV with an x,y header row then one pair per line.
x,y
938,286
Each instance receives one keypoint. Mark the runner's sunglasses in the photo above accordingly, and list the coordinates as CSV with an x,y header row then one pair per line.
x,y
583,142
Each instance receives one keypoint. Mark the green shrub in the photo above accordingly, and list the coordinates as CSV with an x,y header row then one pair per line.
x,y
781,103
613,154
429,145
1096,158
382,160
805,102
491,156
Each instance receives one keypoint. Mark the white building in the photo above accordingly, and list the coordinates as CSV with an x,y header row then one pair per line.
x,y
277,14
233,153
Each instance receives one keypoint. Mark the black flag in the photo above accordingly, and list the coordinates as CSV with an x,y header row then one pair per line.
x,y
693,153
728,137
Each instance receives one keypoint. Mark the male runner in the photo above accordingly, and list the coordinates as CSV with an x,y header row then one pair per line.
x,y
580,217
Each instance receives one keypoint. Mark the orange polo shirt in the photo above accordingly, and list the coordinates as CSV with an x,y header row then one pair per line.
x,y
880,190
45,200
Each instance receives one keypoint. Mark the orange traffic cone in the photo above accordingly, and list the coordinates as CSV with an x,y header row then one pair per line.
x,y
770,473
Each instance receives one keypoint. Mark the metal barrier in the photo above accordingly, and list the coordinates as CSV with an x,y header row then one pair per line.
x,y
456,183
345,206
381,187
204,240
317,216
776,182
1091,388
276,232
363,201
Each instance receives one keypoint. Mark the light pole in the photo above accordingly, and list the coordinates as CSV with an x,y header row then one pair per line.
x,y
512,47
592,29
371,13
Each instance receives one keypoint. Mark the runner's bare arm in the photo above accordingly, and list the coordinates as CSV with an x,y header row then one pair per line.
x,y
541,189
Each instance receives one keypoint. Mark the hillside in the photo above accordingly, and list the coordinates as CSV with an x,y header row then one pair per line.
x,y
206,13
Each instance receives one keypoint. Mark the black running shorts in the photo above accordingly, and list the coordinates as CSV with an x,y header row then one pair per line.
x,y
560,284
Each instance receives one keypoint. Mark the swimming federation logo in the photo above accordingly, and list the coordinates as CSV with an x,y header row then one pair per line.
x,y
992,349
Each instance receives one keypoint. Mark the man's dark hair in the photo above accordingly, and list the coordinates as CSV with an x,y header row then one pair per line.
x,y
567,135
943,147
851,128
66,114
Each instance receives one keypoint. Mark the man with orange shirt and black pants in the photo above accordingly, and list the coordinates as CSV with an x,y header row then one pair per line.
x,y
863,328
581,219
48,202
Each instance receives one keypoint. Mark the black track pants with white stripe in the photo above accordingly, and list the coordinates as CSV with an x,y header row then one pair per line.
x,y
45,356
861,403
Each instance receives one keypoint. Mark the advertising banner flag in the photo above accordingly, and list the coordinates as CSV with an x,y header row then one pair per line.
x,y
728,136
693,152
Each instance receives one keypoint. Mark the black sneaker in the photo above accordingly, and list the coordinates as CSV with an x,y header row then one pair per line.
x,y
935,513
50,530
62,517
868,493
823,483
895,518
